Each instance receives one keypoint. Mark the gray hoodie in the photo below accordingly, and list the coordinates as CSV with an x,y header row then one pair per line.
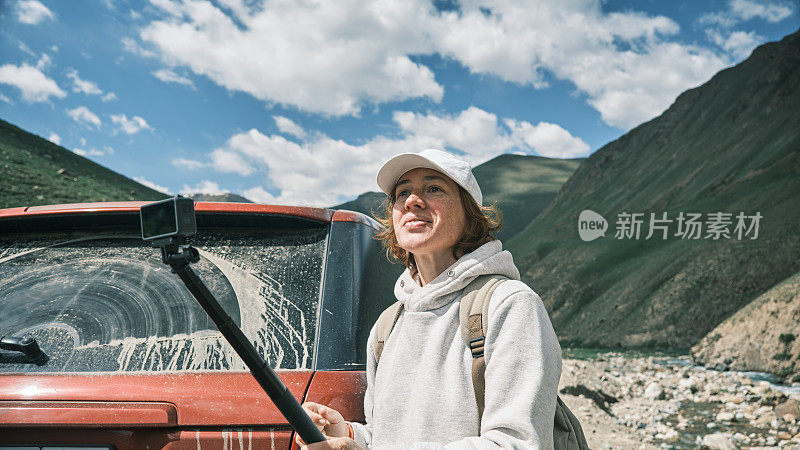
x,y
421,394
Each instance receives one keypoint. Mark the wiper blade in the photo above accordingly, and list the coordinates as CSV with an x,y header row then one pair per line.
x,y
31,352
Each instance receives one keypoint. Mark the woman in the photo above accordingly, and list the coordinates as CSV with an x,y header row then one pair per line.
x,y
421,393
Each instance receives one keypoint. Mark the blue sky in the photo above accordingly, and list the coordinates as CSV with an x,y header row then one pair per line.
x,y
300,102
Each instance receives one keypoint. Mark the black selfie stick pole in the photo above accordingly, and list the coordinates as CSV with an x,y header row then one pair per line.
x,y
179,258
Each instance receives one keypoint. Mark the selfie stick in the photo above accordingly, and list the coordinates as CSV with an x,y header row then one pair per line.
x,y
179,258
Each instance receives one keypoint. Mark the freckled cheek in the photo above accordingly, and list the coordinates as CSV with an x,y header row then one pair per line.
x,y
455,223
397,217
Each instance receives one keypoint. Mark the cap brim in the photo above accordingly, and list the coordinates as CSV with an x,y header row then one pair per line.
x,y
393,169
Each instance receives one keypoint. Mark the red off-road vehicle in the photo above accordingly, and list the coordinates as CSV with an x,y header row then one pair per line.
x,y
133,360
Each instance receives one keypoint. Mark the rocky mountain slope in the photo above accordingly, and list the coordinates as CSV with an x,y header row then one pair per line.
x,y
729,146
764,335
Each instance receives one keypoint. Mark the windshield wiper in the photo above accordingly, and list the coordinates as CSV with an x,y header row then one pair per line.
x,y
31,352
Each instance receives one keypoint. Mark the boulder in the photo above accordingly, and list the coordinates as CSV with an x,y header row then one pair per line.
x,y
654,391
719,441
789,407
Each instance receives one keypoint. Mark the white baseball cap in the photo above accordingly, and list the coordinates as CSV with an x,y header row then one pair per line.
x,y
456,169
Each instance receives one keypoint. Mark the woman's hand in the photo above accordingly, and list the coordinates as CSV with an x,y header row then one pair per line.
x,y
329,421
338,443
332,425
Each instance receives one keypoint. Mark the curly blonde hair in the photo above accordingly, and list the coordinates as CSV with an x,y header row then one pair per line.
x,y
482,222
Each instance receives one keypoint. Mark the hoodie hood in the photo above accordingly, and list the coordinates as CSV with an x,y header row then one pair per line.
x,y
488,259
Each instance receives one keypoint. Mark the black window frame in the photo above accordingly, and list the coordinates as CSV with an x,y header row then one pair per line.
x,y
357,287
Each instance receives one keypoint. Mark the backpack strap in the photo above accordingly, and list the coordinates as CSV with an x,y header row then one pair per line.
x,y
384,325
474,318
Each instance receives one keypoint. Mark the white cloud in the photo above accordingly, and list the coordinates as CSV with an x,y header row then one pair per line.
x,y
84,114
90,152
129,126
81,85
151,185
44,62
189,164
335,57
132,46
108,97
323,57
311,173
721,18
230,162
32,12
473,131
34,85
169,76
54,138
771,12
627,90
623,62
3,98
481,136
203,187
260,195
737,43
738,11
548,139
25,48
288,126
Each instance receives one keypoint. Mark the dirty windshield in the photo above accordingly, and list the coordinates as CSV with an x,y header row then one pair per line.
x,y
106,303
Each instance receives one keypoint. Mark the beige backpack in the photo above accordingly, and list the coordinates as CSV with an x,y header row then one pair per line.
x,y
474,313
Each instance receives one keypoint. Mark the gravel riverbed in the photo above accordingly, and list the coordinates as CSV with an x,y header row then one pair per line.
x,y
665,402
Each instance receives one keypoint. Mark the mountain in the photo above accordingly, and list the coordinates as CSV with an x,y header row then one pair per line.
x,y
731,145
36,171
226,197
521,185
368,203
761,336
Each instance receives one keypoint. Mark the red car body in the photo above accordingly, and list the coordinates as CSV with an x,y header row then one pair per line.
x,y
198,409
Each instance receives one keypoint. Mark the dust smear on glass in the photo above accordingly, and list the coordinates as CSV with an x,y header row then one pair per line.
x,y
107,304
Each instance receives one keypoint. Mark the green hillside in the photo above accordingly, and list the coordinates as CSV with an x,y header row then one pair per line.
x,y
731,145
37,172
522,186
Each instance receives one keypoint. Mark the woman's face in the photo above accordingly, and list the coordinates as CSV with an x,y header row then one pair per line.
x,y
427,216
